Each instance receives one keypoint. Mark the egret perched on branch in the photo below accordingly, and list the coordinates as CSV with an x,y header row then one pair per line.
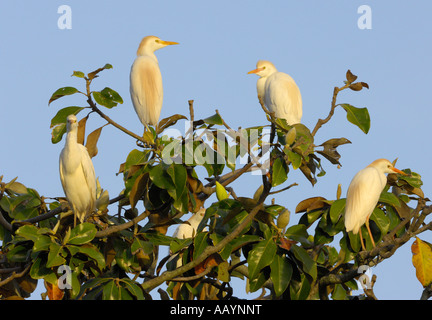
x,y
146,80
188,229
77,173
363,194
278,92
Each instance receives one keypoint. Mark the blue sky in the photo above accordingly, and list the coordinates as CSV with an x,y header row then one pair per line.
x,y
313,41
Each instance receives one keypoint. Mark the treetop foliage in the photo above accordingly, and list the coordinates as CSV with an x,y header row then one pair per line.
x,y
116,253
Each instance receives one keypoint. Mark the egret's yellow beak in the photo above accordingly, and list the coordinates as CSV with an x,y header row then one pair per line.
x,y
167,43
255,70
398,171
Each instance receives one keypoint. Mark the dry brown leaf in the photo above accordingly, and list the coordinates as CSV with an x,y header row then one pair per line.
x,y
53,291
92,140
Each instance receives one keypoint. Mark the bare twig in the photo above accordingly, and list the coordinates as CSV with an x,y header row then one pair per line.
x,y
115,124
114,229
15,275
321,122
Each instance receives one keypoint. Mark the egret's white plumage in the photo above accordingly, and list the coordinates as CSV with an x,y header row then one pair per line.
x,y
279,92
77,173
363,194
146,80
188,230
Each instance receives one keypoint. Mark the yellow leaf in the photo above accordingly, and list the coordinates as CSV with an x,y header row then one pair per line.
x,y
221,193
422,261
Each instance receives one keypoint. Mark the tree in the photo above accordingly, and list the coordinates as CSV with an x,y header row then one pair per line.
x,y
115,254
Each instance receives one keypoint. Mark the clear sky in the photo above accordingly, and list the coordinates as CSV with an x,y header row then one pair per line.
x,y
314,41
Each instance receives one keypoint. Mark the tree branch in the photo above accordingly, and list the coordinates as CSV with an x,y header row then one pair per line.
x,y
168,275
321,122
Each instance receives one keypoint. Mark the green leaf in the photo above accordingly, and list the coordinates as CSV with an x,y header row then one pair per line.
x,y
62,114
358,116
38,269
309,265
111,291
299,289
413,179
17,254
54,257
42,243
280,172
381,220
303,133
336,210
107,97
298,233
78,74
92,252
158,239
200,243
281,272
178,175
65,91
214,119
389,198
57,133
261,256
133,288
295,158
160,177
168,122
29,232
82,233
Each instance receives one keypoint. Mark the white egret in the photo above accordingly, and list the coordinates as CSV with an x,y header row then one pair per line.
x,y
77,173
363,194
188,229
146,80
278,92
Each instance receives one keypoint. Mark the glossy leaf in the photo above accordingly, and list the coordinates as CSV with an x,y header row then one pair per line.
x,y
107,97
54,255
261,256
358,116
308,265
281,272
280,172
82,233
57,133
168,122
29,232
65,91
337,209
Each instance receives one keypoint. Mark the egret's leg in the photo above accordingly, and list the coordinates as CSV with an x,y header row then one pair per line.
x,y
370,233
361,240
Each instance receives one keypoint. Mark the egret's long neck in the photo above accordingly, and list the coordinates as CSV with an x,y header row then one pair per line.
x,y
71,138
144,51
